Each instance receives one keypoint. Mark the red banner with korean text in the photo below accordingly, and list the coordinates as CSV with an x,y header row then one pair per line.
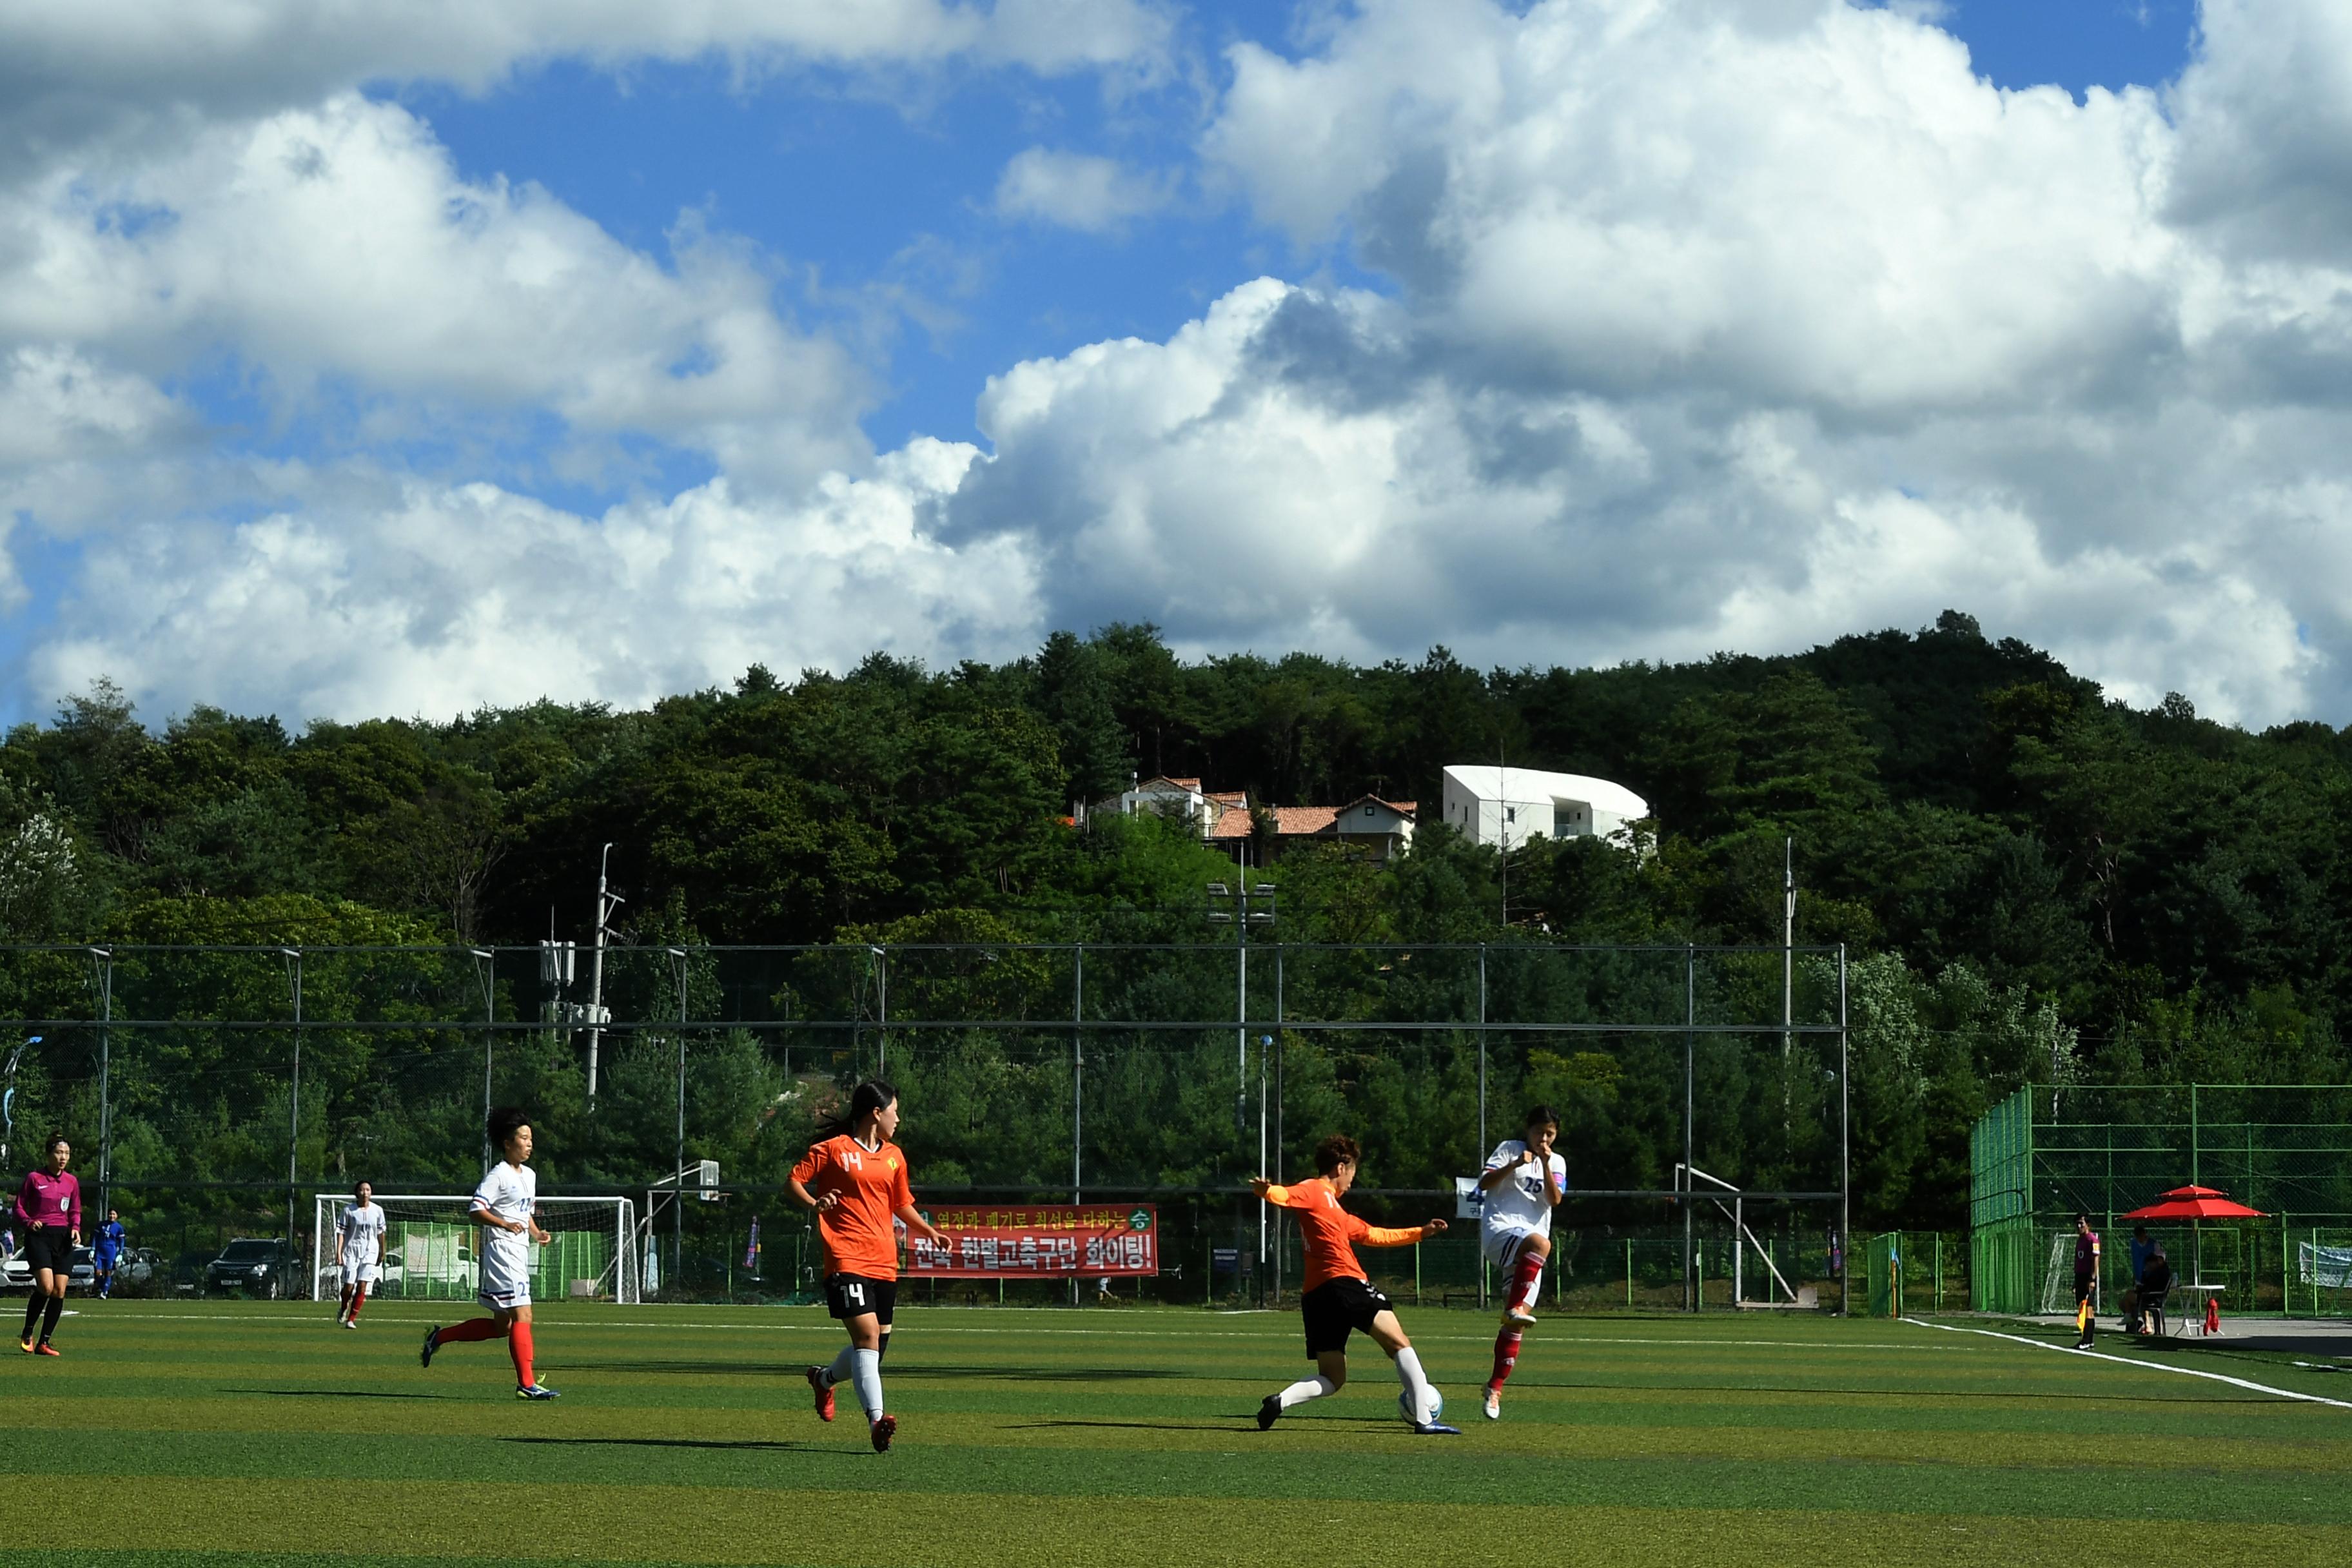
x,y
1039,1242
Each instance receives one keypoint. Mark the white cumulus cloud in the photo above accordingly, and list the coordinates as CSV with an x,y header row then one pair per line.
x,y
1076,190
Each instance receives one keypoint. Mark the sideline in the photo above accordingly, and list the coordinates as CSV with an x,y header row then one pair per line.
x,y
2128,1360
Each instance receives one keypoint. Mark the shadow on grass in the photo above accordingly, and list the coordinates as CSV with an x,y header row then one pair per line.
x,y
750,1444
1036,1373
691,1368
1227,1424
333,1393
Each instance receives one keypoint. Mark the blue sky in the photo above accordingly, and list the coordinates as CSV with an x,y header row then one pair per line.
x,y
467,356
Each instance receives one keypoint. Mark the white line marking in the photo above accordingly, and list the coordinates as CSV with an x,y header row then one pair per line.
x,y
826,1326
2128,1360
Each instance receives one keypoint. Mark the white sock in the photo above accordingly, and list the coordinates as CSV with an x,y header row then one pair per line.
x,y
842,1365
1408,1372
868,1375
1300,1393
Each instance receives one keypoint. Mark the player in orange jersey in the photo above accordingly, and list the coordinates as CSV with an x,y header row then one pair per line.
x,y
1338,1298
857,1182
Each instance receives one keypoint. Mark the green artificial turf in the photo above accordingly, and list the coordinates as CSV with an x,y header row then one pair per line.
x,y
250,1434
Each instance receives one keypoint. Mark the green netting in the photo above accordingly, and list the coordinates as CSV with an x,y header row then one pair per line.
x,y
2045,1154
431,1261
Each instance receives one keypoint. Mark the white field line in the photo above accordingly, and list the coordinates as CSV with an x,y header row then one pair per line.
x,y
825,1326
2129,1361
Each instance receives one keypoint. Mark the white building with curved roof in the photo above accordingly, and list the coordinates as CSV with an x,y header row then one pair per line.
x,y
1507,807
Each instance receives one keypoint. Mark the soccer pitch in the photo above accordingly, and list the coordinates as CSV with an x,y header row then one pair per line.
x,y
258,1434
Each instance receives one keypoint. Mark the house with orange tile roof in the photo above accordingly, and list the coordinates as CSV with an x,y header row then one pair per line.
x,y
1380,828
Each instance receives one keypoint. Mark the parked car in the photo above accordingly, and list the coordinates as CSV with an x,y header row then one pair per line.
x,y
254,1265
16,1274
139,1266
81,1271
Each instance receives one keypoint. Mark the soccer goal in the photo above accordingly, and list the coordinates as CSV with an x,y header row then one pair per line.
x,y
2058,1275
429,1249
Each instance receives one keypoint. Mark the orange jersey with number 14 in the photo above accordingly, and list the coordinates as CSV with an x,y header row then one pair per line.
x,y
1328,1233
858,1232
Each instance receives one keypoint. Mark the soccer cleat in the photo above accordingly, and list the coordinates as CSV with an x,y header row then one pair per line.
x,y
1518,1317
1437,1429
351,1322
44,1348
432,1344
885,1428
824,1392
537,1391
26,1344
1269,1412
1494,1404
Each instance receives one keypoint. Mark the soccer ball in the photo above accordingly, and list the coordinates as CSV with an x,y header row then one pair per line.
x,y
1436,1411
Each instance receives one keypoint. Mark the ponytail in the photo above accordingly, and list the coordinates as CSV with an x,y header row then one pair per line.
x,y
869,1096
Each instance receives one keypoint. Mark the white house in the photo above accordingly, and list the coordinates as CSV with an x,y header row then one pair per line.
x,y
1503,806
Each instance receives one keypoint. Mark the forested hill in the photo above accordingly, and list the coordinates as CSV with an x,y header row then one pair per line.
x,y
2177,890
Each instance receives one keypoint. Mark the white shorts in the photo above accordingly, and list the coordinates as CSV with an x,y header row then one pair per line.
x,y
503,1288
356,1272
1501,1241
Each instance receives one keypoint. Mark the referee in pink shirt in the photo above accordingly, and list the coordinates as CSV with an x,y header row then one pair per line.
x,y
49,1206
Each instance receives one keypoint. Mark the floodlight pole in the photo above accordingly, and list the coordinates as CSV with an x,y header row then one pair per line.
x,y
1278,1113
293,956
881,970
1479,1161
485,972
677,1182
102,961
1690,1046
1846,1156
1077,1074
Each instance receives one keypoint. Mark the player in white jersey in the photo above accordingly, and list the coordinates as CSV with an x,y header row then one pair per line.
x,y
359,1250
502,1207
1523,1183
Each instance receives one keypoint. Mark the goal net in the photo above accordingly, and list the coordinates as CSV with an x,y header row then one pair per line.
x,y
430,1249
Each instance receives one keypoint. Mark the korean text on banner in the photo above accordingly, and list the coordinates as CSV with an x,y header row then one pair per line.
x,y
1022,1241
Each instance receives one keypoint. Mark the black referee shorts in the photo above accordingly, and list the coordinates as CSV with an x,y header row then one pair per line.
x,y
1337,1307
50,1247
855,1295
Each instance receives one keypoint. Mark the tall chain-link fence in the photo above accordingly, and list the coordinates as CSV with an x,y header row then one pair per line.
x,y
2046,1154
213,1092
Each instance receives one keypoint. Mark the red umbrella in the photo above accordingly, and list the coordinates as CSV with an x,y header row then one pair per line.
x,y
2195,1203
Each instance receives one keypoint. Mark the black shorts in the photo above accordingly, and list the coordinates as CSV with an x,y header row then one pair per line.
x,y
855,1295
2082,1290
49,1247
1337,1307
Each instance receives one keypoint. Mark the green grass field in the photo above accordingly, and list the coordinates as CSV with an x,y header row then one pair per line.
x,y
251,1433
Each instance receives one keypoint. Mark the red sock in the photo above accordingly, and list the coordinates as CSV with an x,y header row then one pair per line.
x,y
359,1299
1523,1281
1507,1356
474,1329
519,1347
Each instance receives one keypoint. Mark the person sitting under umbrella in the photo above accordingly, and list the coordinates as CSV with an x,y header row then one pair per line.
x,y
2155,1281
